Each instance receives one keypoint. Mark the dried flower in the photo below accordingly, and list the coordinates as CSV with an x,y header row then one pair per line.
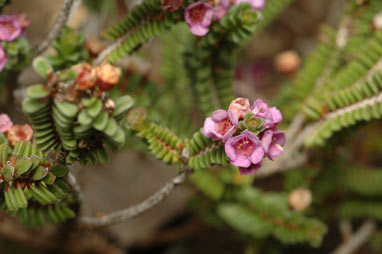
x,y
240,106
221,125
198,17
220,9
272,142
19,133
171,5
86,76
10,27
300,199
107,76
5,123
287,62
255,4
245,151
3,58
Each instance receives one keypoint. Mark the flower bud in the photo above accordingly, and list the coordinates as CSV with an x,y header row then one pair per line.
x,y
240,106
300,199
287,62
19,133
377,21
107,76
252,123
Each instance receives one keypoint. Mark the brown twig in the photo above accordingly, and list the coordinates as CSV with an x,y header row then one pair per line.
x,y
138,209
54,32
357,239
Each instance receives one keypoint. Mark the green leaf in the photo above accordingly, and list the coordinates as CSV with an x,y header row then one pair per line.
x,y
122,104
95,108
22,166
38,91
42,66
59,170
101,121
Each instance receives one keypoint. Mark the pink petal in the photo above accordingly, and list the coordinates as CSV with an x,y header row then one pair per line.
x,y
257,155
252,169
274,151
219,115
241,161
266,140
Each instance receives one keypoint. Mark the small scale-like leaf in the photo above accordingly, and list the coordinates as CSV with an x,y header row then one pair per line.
x,y
32,106
84,118
49,178
38,91
95,108
101,121
122,104
40,173
59,170
7,172
42,66
67,108
22,166
111,127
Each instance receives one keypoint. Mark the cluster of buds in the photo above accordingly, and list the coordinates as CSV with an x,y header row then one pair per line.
x,y
248,132
11,27
87,79
201,14
15,133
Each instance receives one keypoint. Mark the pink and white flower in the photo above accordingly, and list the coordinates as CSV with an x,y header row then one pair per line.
x,y
3,58
10,27
198,17
221,125
240,106
5,123
255,4
245,151
272,116
220,9
272,142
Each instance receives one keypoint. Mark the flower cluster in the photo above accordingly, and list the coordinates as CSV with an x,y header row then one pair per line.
x,y
11,27
248,132
199,15
15,133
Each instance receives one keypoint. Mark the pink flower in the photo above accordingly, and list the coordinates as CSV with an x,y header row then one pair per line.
x,y
272,116
255,4
220,9
221,125
260,108
171,5
5,123
245,151
240,106
19,133
3,58
10,27
198,17
272,142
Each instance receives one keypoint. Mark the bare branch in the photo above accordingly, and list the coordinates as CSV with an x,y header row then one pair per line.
x,y
54,32
138,209
357,239
76,187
